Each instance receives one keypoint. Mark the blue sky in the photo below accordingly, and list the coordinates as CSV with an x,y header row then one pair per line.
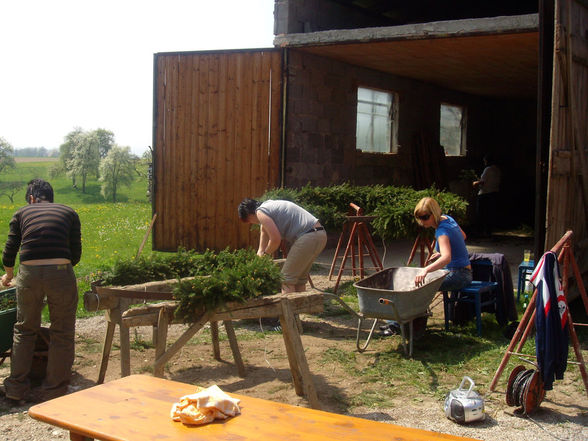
x,y
89,64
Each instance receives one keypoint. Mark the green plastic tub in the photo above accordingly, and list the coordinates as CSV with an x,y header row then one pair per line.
x,y
7,321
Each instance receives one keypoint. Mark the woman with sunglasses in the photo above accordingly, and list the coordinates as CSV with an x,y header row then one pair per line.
x,y
451,254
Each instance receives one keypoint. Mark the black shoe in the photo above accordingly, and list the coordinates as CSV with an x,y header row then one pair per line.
x,y
385,333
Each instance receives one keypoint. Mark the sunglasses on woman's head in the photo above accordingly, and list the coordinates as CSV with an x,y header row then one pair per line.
x,y
424,217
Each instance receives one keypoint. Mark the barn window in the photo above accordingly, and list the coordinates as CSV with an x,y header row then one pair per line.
x,y
377,121
452,133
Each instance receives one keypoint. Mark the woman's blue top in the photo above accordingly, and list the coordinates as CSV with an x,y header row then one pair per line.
x,y
459,253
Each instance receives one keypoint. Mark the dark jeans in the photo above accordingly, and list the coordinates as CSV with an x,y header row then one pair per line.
x,y
456,279
56,283
486,212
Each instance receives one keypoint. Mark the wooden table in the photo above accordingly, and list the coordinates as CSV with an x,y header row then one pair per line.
x,y
137,408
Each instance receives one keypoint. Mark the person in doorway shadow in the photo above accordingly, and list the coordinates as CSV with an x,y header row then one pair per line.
x,y
487,201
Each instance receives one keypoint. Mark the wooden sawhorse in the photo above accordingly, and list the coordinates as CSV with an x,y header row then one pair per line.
x,y
358,243
116,301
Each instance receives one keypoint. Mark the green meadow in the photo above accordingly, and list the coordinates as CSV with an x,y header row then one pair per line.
x,y
109,230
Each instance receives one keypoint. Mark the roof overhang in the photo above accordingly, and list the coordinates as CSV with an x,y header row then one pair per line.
x,y
496,57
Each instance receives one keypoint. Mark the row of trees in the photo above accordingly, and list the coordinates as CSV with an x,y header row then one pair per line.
x,y
36,152
85,154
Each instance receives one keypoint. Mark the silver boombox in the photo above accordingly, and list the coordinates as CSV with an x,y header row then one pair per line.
x,y
464,405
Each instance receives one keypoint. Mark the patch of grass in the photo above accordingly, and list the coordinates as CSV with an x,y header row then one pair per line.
x,y
91,345
373,398
440,360
139,344
279,388
348,294
109,231
146,369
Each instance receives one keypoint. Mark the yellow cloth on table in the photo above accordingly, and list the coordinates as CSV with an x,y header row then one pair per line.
x,y
205,406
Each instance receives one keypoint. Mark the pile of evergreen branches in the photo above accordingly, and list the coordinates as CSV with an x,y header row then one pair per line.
x,y
227,276
392,206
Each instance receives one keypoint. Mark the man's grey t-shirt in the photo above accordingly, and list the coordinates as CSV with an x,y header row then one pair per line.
x,y
292,221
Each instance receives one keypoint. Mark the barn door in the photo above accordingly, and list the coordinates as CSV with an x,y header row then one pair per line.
x,y
567,188
216,140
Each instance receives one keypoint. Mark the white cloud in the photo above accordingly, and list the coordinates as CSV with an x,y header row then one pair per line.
x,y
89,64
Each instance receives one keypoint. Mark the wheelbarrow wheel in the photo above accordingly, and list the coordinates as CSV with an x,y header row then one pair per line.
x,y
362,348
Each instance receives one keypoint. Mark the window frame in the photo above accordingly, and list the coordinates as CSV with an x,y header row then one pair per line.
x,y
393,120
463,129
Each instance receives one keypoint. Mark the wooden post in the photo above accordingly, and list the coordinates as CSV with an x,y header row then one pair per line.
x,y
106,351
146,236
162,324
234,347
298,363
214,338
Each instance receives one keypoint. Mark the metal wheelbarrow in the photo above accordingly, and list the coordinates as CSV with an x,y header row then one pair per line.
x,y
390,294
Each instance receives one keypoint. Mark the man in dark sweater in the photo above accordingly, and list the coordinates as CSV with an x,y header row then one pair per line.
x,y
48,236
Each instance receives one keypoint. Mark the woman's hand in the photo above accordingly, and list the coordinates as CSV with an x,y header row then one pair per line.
x,y
420,279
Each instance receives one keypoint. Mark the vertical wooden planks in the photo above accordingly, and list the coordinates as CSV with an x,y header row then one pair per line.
x,y
565,202
214,165
216,129
195,206
204,218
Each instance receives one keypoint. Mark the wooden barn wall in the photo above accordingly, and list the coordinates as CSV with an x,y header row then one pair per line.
x,y
321,122
216,140
567,193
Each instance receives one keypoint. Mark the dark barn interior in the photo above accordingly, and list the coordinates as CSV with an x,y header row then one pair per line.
x,y
487,63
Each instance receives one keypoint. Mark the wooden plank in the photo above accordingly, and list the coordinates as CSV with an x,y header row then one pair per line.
x,y
160,148
244,115
215,167
106,346
226,220
234,347
178,158
185,218
214,338
276,118
296,352
258,161
240,173
162,325
196,207
171,209
202,182
236,228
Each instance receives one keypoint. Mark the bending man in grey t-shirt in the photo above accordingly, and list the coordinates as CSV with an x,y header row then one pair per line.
x,y
284,220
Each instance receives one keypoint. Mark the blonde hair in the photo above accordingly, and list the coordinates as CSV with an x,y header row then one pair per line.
x,y
428,206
